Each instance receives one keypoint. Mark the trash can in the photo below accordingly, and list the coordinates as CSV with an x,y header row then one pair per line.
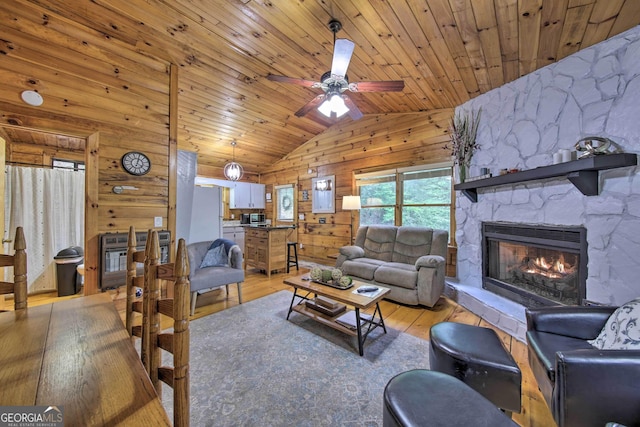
x,y
67,262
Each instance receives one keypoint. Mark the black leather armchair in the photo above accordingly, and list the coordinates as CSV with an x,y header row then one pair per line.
x,y
583,386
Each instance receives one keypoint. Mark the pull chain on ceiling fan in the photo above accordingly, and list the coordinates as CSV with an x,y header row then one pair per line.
x,y
335,82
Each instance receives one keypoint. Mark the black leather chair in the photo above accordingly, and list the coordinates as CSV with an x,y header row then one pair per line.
x,y
583,386
421,397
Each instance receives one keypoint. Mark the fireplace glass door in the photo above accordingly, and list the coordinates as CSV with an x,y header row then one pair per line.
x,y
549,273
535,265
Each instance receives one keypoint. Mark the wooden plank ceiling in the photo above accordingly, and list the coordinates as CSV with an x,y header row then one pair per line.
x,y
446,51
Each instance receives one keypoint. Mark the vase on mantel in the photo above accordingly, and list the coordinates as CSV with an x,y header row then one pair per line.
x,y
462,173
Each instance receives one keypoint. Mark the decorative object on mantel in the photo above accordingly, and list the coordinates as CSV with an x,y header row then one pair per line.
x,y
562,156
594,146
463,131
232,170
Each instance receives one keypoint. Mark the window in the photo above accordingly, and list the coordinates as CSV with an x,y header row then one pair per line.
x,y
68,164
417,196
378,199
284,205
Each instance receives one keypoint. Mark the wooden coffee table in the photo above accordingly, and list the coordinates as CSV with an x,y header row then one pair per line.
x,y
306,289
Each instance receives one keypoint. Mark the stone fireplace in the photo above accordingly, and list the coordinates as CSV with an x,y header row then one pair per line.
x,y
523,123
535,265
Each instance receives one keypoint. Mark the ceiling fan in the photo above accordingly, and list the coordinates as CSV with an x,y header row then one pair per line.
x,y
335,82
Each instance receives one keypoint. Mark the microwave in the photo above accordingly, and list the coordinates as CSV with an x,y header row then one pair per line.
x,y
256,218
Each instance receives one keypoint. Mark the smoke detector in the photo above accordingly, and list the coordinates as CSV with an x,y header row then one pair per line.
x,y
32,97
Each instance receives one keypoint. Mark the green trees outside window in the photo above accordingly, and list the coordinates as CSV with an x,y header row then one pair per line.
x,y
416,197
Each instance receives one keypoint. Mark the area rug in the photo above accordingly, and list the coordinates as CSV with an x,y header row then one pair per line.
x,y
252,367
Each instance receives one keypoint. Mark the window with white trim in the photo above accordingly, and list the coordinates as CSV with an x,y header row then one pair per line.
x,y
67,164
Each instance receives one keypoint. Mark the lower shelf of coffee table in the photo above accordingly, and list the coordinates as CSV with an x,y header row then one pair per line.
x,y
325,319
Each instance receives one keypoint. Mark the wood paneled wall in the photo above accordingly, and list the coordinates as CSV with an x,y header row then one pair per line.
x,y
375,142
99,88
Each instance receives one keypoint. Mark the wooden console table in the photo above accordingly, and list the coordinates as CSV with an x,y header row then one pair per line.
x,y
76,354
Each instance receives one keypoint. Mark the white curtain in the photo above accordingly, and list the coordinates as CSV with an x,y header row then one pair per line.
x,y
49,205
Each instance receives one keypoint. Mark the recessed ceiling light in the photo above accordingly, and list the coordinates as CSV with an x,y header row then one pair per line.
x,y
32,97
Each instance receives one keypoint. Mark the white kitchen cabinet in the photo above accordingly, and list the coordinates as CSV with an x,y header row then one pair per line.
x,y
246,195
257,196
235,234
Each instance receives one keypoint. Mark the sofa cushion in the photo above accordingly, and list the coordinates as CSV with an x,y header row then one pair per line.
x,y
545,345
379,242
398,274
363,268
622,330
196,252
215,257
411,244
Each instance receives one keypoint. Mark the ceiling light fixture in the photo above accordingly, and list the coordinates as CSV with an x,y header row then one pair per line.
x,y
333,103
233,171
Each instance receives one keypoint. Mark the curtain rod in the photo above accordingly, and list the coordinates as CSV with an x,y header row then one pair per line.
x,y
33,165
29,164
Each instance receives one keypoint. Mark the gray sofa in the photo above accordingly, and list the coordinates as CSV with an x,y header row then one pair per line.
x,y
210,278
408,260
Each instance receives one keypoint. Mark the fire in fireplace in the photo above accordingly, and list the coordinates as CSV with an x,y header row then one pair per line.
x,y
535,265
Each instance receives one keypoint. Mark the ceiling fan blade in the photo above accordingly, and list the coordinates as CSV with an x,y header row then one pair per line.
x,y
299,82
354,111
385,86
314,103
342,52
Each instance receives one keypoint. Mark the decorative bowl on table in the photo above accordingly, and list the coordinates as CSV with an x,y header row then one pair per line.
x,y
331,277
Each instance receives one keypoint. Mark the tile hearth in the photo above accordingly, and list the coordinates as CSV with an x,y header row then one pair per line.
x,y
501,312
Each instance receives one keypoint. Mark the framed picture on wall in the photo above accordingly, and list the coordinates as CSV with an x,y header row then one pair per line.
x,y
323,194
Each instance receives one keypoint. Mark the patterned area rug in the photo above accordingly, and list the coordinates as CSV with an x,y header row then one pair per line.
x,y
252,367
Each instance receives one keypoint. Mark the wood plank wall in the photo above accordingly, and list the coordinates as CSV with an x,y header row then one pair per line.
x,y
375,142
95,87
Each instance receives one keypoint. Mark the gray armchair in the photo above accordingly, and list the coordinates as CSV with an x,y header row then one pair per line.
x,y
210,278
582,385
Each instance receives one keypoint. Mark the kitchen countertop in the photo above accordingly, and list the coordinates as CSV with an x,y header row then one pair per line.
x,y
268,226
231,223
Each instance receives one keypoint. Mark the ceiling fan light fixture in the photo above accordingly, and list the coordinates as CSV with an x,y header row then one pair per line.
x,y
333,103
338,106
325,108
233,171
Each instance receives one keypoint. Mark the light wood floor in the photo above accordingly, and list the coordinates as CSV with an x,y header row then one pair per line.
x,y
412,320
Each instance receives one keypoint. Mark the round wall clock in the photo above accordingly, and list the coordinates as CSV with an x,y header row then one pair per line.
x,y
136,163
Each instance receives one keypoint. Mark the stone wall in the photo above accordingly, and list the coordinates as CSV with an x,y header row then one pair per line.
x,y
593,92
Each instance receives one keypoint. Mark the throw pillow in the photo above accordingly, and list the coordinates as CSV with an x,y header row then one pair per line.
x,y
215,257
622,330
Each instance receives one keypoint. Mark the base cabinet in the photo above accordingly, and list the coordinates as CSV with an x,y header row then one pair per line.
x,y
235,234
265,249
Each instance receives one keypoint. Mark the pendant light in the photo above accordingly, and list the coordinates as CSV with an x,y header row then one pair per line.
x,y
233,171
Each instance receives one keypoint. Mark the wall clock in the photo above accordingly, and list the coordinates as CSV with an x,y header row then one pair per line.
x,y
136,163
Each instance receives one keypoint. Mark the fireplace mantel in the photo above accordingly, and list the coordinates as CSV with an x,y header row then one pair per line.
x,y
583,173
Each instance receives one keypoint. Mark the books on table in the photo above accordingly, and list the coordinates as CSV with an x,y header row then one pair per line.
x,y
321,307
349,319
